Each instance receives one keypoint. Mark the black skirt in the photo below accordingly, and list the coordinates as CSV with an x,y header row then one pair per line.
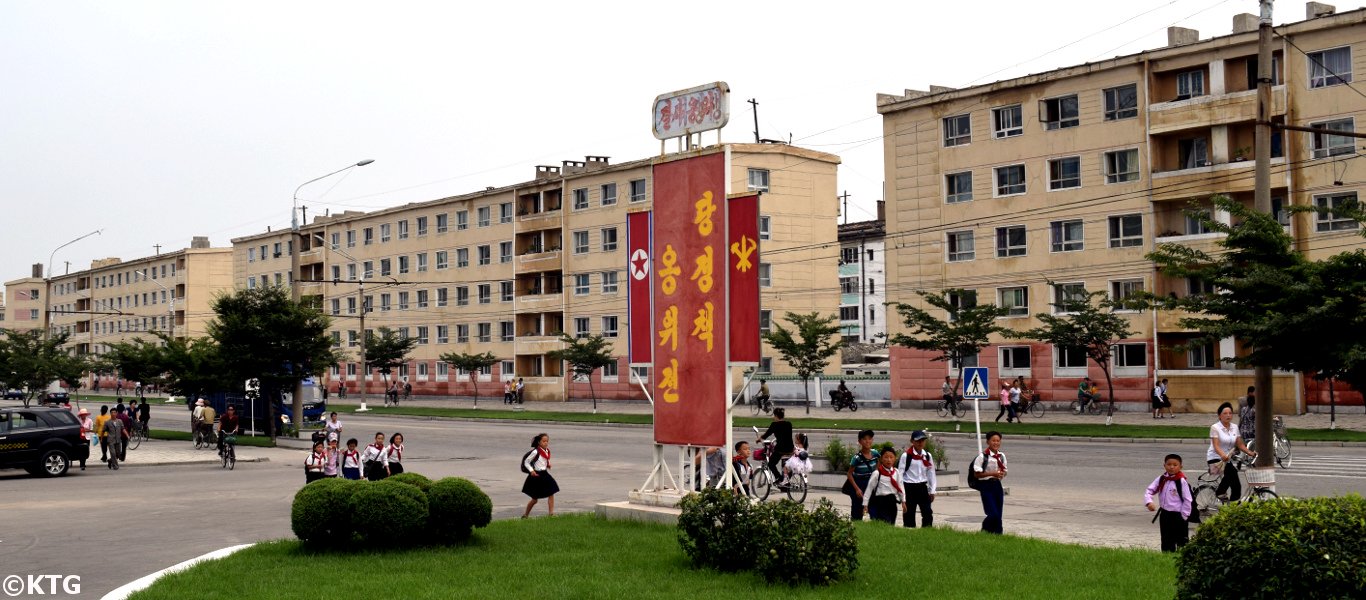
x,y
541,485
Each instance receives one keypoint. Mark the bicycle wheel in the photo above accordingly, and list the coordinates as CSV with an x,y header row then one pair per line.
x,y
224,454
1075,406
1095,407
796,488
942,409
232,457
1207,500
959,409
1262,495
1036,409
135,440
761,483
754,407
1282,452
766,406
198,440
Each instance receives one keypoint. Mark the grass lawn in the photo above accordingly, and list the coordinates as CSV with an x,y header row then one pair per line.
x,y
242,440
580,556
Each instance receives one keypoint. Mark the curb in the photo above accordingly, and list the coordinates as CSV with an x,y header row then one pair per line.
x,y
142,583
171,463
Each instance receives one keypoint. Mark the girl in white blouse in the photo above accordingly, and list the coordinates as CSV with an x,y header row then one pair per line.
x,y
1223,439
372,459
884,489
539,484
393,455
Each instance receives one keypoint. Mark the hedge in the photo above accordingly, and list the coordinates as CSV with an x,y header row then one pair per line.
x,y
388,513
321,513
457,507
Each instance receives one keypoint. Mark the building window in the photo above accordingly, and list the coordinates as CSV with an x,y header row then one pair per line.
x,y
1327,220
766,365
1007,121
505,252
384,234
352,340
505,331
609,239
505,212
462,296
443,223
1015,299
462,220
1121,102
423,333
1070,357
962,300
442,260
581,284
1190,84
765,227
422,298
609,194
422,226
485,293
966,361
849,285
1060,113
957,130
609,282
1121,166
961,246
849,313
1067,295
1126,231
1066,236
505,292
350,239
1197,224
1126,290
958,187
462,257
609,326
580,198
581,328
421,262
1064,173
849,256
758,180
1015,357
368,234
485,255
765,322
251,255
1010,180
483,216
384,303
462,334
485,332
385,267
403,229
442,296
765,275
1200,355
609,370
1131,355
1327,144
580,242
1330,67
638,190
1010,241
402,264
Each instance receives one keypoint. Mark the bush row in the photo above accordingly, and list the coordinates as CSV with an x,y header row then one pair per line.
x,y
781,541
405,509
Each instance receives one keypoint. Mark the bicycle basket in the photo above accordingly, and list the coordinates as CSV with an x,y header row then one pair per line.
x,y
1278,426
230,439
759,454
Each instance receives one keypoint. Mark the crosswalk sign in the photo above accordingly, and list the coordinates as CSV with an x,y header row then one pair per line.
x,y
975,383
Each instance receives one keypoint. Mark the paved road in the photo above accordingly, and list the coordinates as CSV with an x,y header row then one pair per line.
x,y
155,516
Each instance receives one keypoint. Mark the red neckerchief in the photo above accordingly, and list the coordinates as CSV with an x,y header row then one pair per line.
x,y
379,448
348,453
400,452
890,474
923,458
318,460
1165,478
544,454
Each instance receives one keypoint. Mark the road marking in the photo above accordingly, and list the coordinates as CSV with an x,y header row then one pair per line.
x,y
142,583
1341,467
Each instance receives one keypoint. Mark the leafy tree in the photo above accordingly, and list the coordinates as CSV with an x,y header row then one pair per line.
x,y
472,364
584,355
262,333
387,351
135,360
810,354
31,362
193,367
964,333
1087,321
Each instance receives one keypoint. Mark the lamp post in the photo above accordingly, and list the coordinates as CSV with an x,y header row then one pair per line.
x,y
298,403
170,306
47,279
360,301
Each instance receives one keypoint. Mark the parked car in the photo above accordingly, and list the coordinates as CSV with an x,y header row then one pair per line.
x,y
14,394
58,398
42,441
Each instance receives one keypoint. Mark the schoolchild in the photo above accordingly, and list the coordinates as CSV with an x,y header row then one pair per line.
x,y
331,458
313,465
917,477
351,460
884,492
861,467
799,463
393,455
1170,496
372,459
539,483
740,464
989,468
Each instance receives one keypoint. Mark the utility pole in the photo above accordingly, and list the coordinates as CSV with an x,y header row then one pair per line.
x,y
755,105
845,198
1263,471
364,369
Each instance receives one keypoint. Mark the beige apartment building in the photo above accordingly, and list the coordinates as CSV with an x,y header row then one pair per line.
x,y
22,309
504,269
1073,175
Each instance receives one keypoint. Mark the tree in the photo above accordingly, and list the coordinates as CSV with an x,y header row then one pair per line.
x,y
471,363
584,356
193,367
261,333
30,361
387,351
811,354
964,333
135,360
1086,321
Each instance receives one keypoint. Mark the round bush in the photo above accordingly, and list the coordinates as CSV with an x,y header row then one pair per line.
x,y
1287,548
389,513
797,546
321,514
715,529
457,507
416,480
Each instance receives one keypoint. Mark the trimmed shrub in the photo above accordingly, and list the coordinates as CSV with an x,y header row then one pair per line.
x,y
321,512
796,546
839,455
716,530
416,480
388,513
1287,548
457,507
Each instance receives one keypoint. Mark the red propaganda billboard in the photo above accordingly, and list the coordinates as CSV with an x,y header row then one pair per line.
x,y
743,253
689,324
640,344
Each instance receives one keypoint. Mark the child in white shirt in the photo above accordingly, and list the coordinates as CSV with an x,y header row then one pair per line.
x,y
800,461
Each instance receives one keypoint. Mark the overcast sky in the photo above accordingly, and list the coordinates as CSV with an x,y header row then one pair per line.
x,y
159,121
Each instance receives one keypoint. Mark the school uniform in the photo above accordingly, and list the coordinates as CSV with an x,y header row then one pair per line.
x,y
393,459
313,466
351,464
917,478
884,494
863,469
539,484
993,494
1173,496
372,461
331,462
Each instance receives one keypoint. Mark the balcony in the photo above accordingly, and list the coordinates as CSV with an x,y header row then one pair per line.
x,y
539,302
547,260
1169,321
1202,182
1215,109
536,344
546,219
311,256
310,289
1204,242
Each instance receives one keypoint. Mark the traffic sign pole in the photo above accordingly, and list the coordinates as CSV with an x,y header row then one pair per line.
x,y
975,381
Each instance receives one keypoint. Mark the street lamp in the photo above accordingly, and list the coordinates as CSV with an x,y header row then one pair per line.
x,y
170,306
47,286
298,403
360,300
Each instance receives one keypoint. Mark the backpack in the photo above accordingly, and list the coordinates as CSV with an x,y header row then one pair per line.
x,y
973,481
1181,493
524,457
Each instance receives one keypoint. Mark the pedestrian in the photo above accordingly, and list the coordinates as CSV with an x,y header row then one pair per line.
x,y
1223,440
1157,400
1166,401
341,389
122,417
99,431
331,458
114,433
145,415
539,484
919,482
407,390
372,459
87,427
861,468
740,465
521,388
133,408
1172,503
334,426
95,385
1247,417
1016,388
393,455
1007,410
118,387
884,492
989,478
508,394
313,465
782,434
351,460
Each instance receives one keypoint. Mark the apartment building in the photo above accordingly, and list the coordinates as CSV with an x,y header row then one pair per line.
x,y
504,269
23,310
1073,175
863,280
116,300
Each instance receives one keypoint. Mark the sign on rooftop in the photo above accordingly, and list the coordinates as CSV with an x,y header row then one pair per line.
x,y
696,109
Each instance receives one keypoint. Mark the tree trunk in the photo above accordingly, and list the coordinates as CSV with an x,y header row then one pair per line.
x,y
806,389
1332,406
594,394
1110,385
475,381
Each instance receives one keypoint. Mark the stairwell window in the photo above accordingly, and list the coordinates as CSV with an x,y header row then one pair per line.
x,y
1324,144
758,180
1330,67
1060,113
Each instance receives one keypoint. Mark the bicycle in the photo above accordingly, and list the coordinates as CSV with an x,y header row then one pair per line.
x,y
138,435
1207,499
1032,404
761,404
203,436
229,451
954,407
1093,406
1280,443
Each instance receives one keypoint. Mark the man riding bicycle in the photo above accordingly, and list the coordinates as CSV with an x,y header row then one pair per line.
x,y
1084,395
227,425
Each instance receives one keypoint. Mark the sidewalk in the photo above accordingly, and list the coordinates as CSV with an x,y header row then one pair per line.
x,y
157,453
